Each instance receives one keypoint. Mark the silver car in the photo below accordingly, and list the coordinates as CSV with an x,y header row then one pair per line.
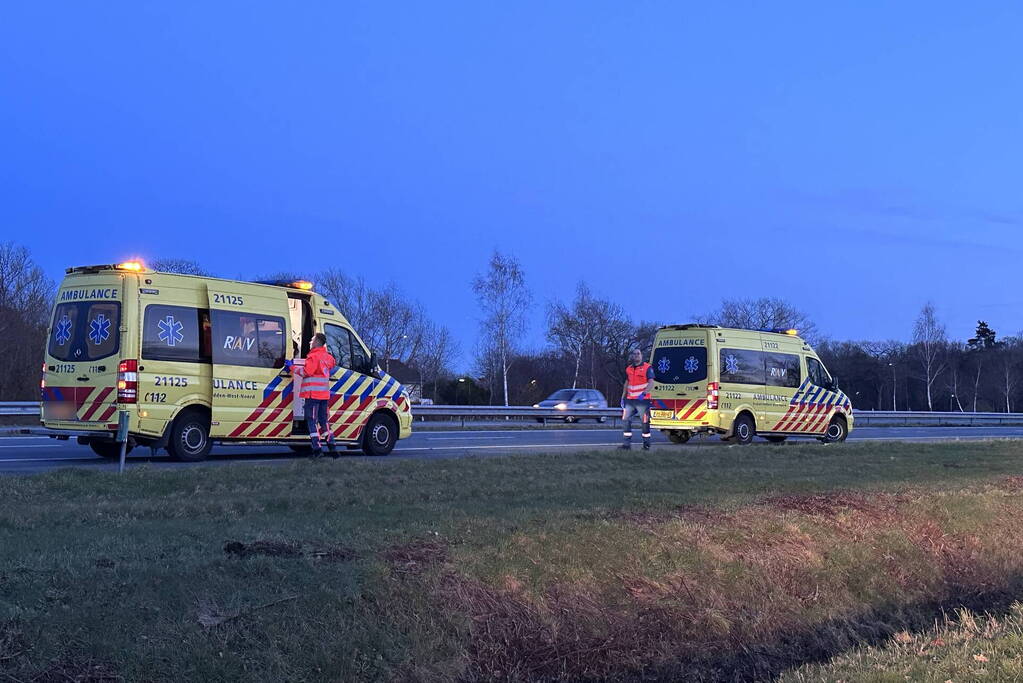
x,y
569,399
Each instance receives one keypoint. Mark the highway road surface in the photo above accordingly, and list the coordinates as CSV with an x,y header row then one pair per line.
x,y
28,454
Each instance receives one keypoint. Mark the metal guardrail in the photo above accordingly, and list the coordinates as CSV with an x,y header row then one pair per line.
x,y
19,408
864,418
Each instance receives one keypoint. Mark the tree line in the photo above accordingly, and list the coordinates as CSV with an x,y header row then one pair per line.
x,y
586,342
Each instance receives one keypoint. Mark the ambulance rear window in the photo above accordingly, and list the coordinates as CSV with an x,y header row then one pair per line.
x,y
680,365
85,330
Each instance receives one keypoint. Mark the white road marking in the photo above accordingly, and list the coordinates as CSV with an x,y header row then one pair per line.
x,y
30,445
74,457
468,438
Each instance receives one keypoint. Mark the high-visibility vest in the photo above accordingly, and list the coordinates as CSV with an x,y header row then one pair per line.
x,y
316,374
639,385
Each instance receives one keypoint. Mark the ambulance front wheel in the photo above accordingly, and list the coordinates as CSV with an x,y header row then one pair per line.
x,y
380,435
190,436
111,450
837,432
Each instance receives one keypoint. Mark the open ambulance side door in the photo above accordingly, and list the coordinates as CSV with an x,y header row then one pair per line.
x,y
250,339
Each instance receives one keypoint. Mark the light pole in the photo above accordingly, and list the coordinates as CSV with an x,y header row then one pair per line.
x,y
892,366
458,393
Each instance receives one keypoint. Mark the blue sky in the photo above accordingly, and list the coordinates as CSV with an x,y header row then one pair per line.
x,y
855,158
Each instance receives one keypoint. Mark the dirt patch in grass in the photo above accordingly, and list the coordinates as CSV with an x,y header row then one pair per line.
x,y
416,556
268,548
835,502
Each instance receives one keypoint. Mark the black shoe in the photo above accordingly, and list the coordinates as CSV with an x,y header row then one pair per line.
x,y
625,447
646,447
316,454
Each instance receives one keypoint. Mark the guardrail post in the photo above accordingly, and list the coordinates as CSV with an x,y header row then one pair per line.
x,y
122,437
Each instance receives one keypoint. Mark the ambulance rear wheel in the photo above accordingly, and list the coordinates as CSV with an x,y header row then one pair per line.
x,y
679,436
190,436
380,435
743,430
111,450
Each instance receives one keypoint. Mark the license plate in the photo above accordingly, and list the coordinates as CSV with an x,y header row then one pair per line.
x,y
663,414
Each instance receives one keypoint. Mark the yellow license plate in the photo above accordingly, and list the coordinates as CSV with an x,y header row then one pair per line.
x,y
663,414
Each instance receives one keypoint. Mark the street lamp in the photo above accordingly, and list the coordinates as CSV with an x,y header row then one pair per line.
x,y
892,366
458,391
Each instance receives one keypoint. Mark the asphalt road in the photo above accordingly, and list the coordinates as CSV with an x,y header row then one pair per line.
x,y
32,454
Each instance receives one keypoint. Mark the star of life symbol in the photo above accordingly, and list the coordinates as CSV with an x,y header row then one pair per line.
x,y
170,331
63,332
99,329
731,364
663,365
691,364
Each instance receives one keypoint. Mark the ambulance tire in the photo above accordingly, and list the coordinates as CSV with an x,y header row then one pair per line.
x,y
679,436
380,435
837,432
111,450
190,436
743,430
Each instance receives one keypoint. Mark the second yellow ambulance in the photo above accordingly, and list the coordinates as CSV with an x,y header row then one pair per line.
x,y
741,384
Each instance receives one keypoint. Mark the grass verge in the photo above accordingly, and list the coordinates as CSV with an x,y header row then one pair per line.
x,y
699,564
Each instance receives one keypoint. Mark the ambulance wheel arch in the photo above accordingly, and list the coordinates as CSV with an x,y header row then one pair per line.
x,y
381,433
188,438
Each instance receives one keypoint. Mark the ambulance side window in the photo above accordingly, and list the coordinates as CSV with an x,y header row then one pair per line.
x,y
248,339
339,343
176,333
782,370
742,366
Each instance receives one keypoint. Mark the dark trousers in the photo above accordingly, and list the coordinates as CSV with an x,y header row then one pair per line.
x,y
316,421
636,407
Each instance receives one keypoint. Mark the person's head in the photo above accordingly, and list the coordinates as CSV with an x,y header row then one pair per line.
x,y
635,357
319,339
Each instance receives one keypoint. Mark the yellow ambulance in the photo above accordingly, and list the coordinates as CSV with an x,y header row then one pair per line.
x,y
741,384
196,360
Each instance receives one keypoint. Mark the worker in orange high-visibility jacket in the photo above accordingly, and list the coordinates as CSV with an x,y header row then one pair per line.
x,y
639,379
315,376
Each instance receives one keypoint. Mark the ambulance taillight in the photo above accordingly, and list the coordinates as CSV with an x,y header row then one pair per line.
x,y
128,381
712,395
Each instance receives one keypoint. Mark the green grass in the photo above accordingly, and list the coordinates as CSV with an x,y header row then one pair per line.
x,y
682,562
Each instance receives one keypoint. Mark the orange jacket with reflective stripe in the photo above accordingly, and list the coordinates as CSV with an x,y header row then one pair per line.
x,y
316,373
639,381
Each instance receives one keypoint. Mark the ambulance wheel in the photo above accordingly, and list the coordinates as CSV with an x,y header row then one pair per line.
x,y
837,432
190,436
380,435
111,450
743,430
776,439
679,435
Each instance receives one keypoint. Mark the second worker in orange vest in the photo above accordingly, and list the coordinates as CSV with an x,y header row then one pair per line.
x,y
315,376
639,379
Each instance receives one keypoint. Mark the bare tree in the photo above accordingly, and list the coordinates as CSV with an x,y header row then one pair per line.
x,y
956,353
349,294
504,299
26,295
179,265
436,355
1009,367
929,343
765,313
567,327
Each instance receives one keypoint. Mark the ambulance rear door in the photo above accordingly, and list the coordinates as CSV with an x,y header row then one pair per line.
x,y
252,393
84,348
680,364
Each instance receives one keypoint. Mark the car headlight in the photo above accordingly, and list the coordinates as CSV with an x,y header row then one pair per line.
x,y
561,406
536,405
